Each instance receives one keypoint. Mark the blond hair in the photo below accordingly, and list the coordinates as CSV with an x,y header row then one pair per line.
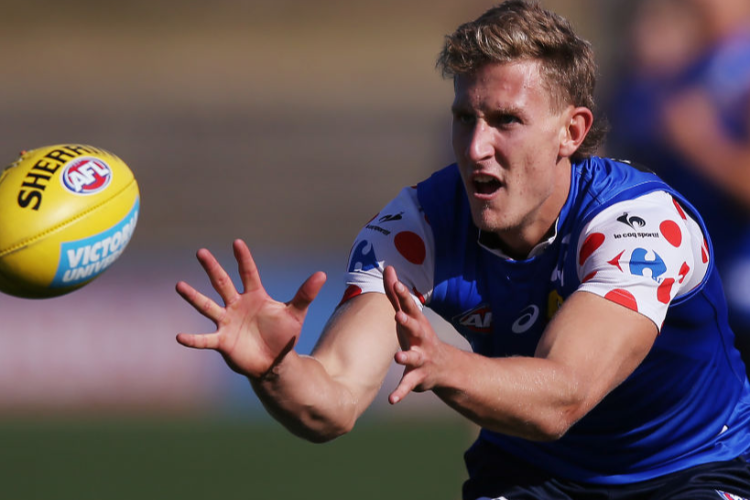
x,y
520,29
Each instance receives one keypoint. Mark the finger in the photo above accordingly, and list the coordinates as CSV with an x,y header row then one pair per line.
x,y
248,270
205,341
406,334
409,329
306,294
220,280
411,358
390,278
405,300
200,302
408,383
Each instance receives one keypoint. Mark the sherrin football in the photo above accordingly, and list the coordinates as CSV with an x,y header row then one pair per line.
x,y
66,214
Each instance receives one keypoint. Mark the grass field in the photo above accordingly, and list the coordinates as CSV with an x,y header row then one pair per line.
x,y
141,460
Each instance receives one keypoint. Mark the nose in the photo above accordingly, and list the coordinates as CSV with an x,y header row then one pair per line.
x,y
479,142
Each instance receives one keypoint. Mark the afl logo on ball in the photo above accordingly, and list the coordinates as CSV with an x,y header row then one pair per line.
x,y
86,175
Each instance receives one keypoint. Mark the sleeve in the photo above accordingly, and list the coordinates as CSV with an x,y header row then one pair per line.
x,y
642,254
398,236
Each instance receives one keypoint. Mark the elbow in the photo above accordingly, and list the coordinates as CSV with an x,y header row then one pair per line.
x,y
314,424
555,419
323,434
542,427
317,429
553,425
552,430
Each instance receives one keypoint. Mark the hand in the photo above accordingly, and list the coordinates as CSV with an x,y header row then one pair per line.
x,y
423,353
253,331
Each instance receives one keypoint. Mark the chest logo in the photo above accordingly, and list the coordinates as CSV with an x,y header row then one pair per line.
x,y
528,317
478,319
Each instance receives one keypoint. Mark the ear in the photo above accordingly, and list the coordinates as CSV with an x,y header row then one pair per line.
x,y
577,124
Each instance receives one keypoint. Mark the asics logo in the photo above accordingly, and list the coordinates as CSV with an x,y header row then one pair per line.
x,y
528,317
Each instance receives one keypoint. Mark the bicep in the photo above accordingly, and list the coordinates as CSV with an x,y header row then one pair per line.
x,y
358,345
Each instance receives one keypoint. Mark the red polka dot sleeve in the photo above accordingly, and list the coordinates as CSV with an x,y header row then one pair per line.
x,y
642,254
398,236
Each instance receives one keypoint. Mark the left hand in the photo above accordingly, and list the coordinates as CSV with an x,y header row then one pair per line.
x,y
423,353
254,332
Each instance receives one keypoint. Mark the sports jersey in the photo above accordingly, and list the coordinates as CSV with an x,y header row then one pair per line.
x,y
723,73
622,234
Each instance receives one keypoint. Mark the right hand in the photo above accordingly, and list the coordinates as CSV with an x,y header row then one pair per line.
x,y
423,355
253,331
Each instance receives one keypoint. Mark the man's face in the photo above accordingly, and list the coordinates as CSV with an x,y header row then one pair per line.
x,y
506,138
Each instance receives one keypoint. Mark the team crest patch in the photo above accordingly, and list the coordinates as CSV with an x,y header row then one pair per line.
x,y
729,496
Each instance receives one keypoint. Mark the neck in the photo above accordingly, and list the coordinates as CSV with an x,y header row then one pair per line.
x,y
518,251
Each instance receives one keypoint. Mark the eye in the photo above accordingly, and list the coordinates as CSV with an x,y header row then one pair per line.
x,y
464,118
505,120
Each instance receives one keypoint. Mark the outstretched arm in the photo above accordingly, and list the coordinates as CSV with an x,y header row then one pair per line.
x,y
588,349
317,397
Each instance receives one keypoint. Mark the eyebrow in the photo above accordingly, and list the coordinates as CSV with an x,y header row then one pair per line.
x,y
505,110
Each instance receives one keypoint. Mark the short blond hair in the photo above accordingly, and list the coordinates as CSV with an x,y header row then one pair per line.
x,y
521,29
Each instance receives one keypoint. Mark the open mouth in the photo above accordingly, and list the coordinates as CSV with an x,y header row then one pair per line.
x,y
486,185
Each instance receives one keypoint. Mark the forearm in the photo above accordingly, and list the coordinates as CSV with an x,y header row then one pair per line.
x,y
591,346
531,398
535,398
320,397
304,398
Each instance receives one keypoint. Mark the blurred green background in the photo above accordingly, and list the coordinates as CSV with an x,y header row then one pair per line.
x,y
200,460
283,122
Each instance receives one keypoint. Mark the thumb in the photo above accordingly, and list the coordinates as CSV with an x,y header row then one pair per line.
x,y
306,294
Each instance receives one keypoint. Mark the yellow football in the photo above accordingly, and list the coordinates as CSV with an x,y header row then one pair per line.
x,y
66,214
